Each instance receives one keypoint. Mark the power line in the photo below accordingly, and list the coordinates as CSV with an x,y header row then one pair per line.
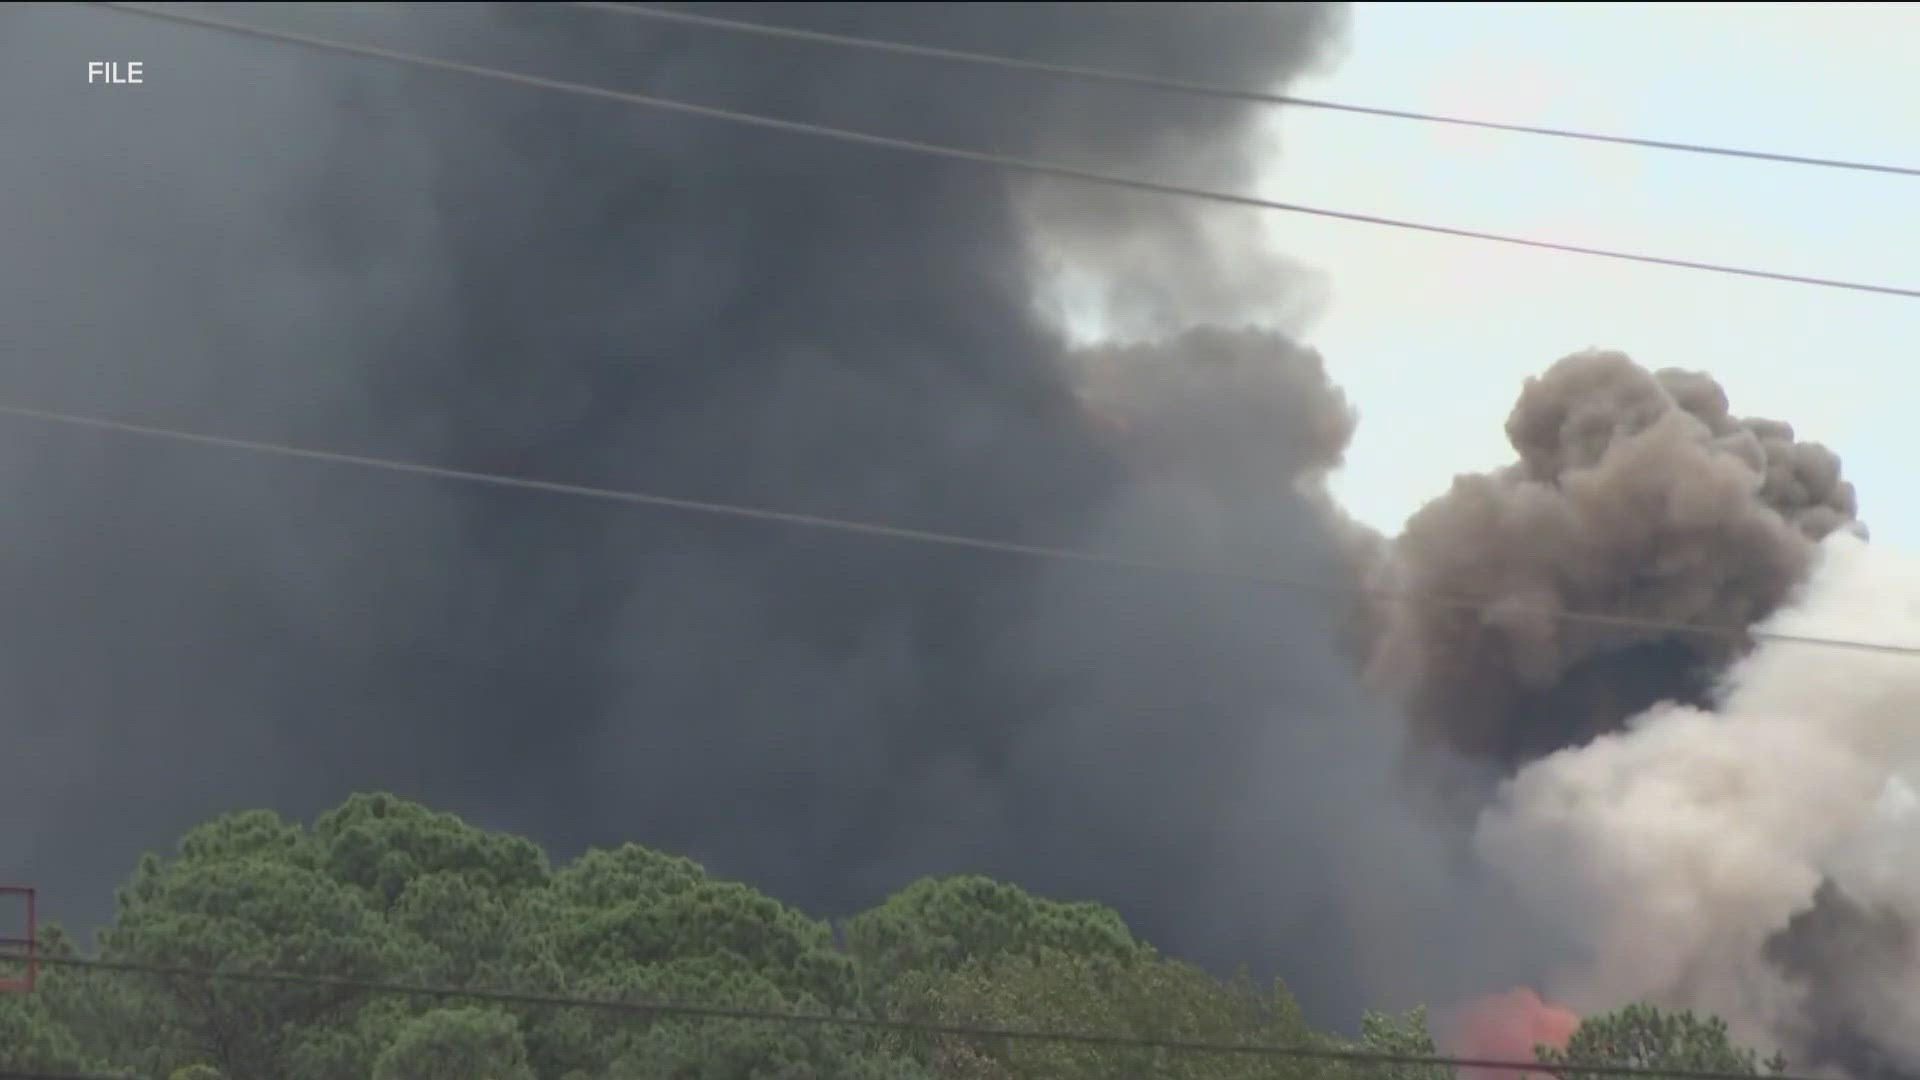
x,y
969,1031
1149,82
976,156
921,536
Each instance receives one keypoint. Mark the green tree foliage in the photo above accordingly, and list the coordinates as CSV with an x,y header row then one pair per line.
x,y
381,890
32,1038
1384,1033
383,845
1147,998
251,910
634,925
456,1044
938,924
693,1048
384,890
32,1035
1647,1037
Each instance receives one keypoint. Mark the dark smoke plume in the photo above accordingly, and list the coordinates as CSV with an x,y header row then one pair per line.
x,y
275,245
1845,957
1636,494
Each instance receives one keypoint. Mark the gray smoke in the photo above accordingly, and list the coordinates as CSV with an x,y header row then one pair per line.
x,y
1307,858
1755,860
1847,959
271,244
1636,494
1708,825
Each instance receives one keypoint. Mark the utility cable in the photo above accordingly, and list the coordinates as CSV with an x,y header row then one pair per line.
x,y
1002,161
1197,89
968,1031
922,536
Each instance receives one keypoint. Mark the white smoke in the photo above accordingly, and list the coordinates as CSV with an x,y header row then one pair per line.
x,y
1678,850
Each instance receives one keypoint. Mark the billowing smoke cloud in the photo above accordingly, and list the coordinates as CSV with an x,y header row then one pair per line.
x,y
270,244
1306,856
1636,494
283,246
1714,827
1757,859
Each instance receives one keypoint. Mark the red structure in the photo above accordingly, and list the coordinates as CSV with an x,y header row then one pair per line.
x,y
20,951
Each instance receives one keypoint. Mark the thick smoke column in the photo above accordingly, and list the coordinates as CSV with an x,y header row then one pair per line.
x,y
269,244
1757,860
1698,861
1306,857
1636,494
277,245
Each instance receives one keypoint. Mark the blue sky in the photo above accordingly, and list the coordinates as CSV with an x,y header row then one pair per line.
x,y
1432,336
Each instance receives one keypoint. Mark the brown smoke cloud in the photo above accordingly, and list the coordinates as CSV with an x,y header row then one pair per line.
x,y
1695,861
1636,493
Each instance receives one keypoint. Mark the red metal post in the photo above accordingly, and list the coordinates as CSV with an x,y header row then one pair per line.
x,y
24,949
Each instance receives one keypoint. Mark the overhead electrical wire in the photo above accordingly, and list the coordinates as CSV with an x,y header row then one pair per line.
x,y
922,536
1002,161
968,1031
1181,86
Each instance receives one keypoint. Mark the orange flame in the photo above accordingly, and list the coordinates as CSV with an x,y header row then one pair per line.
x,y
1507,1027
